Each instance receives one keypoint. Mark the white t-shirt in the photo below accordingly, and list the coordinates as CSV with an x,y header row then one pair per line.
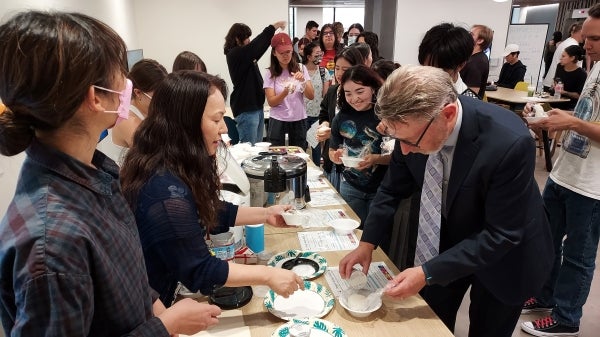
x,y
578,162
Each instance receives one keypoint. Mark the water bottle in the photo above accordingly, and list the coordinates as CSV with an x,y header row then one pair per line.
x,y
558,88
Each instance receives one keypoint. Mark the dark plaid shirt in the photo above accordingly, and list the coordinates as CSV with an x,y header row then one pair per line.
x,y
70,257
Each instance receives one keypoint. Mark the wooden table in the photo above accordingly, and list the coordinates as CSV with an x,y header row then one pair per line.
x,y
514,98
409,317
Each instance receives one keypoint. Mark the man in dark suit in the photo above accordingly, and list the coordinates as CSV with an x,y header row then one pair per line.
x,y
493,235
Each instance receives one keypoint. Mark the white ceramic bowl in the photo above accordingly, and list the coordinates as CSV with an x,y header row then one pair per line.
x,y
353,301
344,226
294,219
351,161
262,146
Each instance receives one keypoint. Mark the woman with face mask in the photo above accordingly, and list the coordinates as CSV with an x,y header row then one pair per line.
x,y
145,76
70,255
170,179
321,81
353,32
286,84
354,134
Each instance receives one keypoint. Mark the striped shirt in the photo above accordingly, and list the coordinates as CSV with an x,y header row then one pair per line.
x,y
70,257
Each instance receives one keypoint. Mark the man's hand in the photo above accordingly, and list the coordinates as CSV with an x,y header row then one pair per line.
x,y
557,120
408,283
361,255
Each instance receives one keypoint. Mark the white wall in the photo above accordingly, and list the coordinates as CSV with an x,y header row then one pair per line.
x,y
116,13
200,26
413,20
305,14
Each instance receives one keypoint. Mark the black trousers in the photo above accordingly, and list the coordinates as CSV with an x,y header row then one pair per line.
x,y
296,133
487,315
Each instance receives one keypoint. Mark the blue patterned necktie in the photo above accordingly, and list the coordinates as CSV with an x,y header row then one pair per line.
x,y
430,215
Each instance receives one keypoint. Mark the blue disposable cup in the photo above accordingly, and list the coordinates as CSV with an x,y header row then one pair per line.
x,y
255,237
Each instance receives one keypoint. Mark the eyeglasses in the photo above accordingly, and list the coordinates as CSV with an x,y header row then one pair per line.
x,y
145,94
327,33
416,144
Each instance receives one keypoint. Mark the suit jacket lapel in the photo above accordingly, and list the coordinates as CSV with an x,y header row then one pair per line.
x,y
465,153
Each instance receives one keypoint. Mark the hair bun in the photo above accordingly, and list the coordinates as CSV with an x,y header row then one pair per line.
x,y
16,132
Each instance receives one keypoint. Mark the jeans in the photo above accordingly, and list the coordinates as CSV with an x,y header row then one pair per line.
x,y
358,200
578,218
250,126
334,178
316,151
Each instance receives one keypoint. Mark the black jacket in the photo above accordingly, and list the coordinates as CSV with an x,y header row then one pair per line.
x,y
328,105
248,93
510,74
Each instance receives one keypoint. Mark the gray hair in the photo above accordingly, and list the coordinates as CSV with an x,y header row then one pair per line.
x,y
418,92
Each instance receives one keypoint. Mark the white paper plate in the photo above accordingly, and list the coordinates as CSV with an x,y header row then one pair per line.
x,y
304,271
534,119
315,300
319,328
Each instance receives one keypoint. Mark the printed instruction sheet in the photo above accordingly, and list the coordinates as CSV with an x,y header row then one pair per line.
x,y
379,275
323,241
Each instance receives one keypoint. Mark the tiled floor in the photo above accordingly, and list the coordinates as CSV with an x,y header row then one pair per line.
x,y
591,310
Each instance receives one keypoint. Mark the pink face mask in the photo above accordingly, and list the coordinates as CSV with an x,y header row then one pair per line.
x,y
124,100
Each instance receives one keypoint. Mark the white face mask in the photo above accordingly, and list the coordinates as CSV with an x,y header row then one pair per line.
x,y
352,39
124,100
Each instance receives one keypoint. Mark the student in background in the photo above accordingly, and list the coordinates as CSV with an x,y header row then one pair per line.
x,y
353,32
330,46
145,76
575,38
248,96
513,70
477,69
372,40
287,83
186,60
384,68
550,49
573,77
70,258
321,80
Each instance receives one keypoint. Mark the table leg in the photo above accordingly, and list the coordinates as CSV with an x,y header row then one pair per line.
x,y
547,155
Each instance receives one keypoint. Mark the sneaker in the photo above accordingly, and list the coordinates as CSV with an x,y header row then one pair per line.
x,y
532,305
547,326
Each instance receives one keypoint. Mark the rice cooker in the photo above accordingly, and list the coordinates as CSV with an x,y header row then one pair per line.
x,y
277,179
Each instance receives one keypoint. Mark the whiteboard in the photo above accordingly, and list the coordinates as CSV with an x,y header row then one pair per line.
x,y
531,39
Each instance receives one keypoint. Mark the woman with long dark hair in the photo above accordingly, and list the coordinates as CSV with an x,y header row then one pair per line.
x,y
171,182
287,82
330,46
329,108
573,77
248,97
354,134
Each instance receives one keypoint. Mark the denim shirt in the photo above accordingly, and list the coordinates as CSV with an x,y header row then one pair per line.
x,y
70,258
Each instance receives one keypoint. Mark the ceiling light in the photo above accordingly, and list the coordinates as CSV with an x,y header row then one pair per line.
x,y
500,0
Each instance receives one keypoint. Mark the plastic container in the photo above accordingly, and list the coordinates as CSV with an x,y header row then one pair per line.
x,y
558,88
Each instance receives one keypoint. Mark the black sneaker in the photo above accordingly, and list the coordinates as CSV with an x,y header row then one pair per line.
x,y
547,326
532,305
